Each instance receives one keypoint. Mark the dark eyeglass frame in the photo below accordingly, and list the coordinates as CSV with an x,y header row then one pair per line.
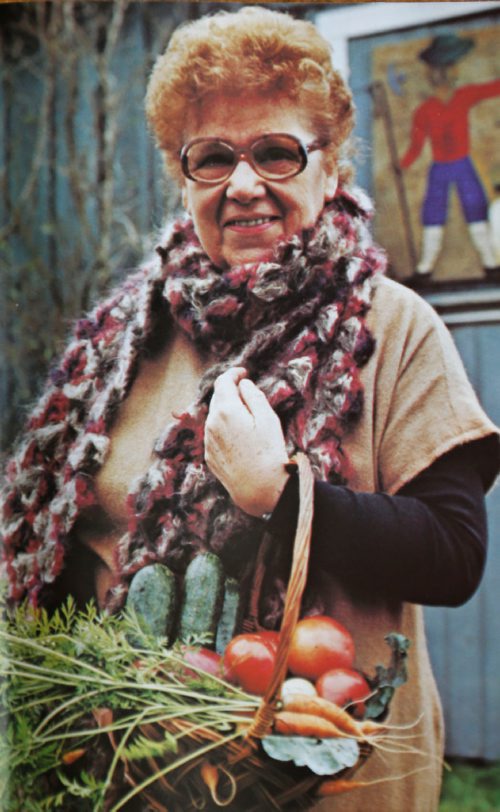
x,y
246,153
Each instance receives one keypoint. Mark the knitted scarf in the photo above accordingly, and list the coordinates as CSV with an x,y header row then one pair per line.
x,y
297,324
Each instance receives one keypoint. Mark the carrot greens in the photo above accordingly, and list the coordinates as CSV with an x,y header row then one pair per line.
x,y
78,691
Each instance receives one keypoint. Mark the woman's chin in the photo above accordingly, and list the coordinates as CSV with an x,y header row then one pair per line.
x,y
247,256
249,246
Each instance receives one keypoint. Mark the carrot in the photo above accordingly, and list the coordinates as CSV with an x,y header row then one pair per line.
x,y
211,775
73,755
323,708
338,786
292,723
371,728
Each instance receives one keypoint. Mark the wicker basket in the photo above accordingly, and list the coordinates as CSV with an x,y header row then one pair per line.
x,y
247,779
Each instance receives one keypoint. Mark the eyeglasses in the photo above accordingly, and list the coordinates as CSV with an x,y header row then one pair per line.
x,y
276,156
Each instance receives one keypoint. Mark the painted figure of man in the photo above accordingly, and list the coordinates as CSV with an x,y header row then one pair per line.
x,y
443,118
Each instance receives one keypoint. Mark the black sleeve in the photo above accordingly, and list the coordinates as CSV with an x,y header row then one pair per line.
x,y
426,544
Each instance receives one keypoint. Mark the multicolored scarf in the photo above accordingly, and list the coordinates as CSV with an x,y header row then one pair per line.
x,y
296,322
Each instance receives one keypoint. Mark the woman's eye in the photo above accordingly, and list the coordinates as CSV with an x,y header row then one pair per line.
x,y
272,154
213,159
278,159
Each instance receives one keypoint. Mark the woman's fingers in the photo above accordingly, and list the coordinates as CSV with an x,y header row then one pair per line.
x,y
226,394
244,443
255,400
229,379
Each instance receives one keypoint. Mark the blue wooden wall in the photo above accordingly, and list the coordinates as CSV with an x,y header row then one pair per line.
x,y
81,182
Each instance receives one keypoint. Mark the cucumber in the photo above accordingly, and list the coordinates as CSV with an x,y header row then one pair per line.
x,y
153,596
230,616
202,599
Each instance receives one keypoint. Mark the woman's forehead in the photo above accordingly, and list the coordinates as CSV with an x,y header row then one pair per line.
x,y
245,115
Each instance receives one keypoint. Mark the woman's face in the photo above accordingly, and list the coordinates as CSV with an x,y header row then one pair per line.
x,y
240,219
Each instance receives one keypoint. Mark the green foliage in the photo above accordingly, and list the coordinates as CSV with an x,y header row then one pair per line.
x,y
72,680
386,680
144,747
86,787
471,788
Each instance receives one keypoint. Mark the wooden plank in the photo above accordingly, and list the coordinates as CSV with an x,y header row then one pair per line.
x,y
159,22
130,163
28,319
85,135
490,642
4,280
465,668
489,343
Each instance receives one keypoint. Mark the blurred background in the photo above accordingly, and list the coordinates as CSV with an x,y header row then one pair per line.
x,y
82,193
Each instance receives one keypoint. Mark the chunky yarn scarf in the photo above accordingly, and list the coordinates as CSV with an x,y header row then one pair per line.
x,y
296,322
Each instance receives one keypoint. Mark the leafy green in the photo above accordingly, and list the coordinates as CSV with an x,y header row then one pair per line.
x,y
386,680
144,747
322,756
75,695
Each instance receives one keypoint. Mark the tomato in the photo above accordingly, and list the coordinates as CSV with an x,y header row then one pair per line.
x,y
249,662
202,658
270,637
319,644
344,686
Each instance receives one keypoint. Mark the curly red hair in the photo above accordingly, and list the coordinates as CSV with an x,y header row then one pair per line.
x,y
254,49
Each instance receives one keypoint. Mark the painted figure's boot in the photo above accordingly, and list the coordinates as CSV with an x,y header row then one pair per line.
x,y
432,239
481,238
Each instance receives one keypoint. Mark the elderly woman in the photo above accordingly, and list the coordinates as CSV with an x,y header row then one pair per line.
x,y
264,326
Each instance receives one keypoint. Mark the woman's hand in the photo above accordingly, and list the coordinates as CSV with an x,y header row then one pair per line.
x,y
244,443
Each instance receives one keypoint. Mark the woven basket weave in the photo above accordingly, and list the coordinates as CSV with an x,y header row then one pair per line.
x,y
249,781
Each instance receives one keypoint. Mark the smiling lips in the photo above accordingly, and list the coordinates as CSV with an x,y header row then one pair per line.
x,y
250,222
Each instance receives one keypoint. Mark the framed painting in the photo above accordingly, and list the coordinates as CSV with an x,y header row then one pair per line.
x,y
426,86
437,154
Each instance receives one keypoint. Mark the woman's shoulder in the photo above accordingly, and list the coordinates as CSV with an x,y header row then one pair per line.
x,y
398,312
418,382
392,294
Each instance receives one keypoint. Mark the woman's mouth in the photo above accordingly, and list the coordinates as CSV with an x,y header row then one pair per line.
x,y
250,223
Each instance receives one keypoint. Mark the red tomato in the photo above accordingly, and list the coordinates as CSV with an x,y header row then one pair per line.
x,y
270,637
203,658
344,687
249,662
319,644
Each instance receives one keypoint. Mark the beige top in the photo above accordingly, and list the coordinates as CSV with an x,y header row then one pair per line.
x,y
418,405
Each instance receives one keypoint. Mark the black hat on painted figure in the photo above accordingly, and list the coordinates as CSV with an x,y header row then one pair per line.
x,y
446,49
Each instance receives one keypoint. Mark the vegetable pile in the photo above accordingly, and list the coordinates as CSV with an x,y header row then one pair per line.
x,y
321,659
107,713
327,707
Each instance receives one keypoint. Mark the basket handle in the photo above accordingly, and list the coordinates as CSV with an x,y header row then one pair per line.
x,y
264,717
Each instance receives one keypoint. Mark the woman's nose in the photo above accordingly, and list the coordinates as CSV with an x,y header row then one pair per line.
x,y
245,184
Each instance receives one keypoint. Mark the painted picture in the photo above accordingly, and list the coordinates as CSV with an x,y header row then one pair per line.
x,y
437,155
